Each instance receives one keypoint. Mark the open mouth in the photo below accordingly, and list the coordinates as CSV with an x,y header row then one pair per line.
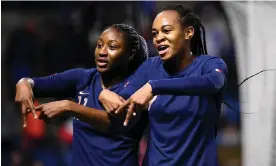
x,y
162,49
101,62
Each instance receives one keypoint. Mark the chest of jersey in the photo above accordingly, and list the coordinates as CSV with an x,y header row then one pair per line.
x,y
178,108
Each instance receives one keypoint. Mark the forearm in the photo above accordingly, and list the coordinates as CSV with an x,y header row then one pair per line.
x,y
196,85
99,119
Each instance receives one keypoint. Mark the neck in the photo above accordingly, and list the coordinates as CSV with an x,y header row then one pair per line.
x,y
179,62
112,78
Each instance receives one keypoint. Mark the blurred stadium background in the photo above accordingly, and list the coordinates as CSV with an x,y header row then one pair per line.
x,y
42,38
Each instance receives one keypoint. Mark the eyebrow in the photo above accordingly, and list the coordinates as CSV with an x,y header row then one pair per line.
x,y
163,26
110,40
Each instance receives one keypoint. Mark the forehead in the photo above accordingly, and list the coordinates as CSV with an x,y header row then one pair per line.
x,y
112,34
166,18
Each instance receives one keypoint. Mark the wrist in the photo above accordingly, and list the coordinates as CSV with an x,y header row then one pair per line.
x,y
153,89
67,105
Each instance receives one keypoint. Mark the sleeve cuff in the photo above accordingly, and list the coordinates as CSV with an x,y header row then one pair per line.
x,y
154,88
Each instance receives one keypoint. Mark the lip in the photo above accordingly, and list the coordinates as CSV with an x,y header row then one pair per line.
x,y
101,62
163,52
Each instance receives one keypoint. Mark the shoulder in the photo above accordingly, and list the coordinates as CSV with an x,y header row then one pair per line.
x,y
205,58
213,63
81,72
208,59
155,60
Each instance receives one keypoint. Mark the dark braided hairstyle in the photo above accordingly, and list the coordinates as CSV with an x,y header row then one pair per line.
x,y
188,18
139,48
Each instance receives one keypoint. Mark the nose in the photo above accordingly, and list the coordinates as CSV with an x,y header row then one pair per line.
x,y
103,51
159,38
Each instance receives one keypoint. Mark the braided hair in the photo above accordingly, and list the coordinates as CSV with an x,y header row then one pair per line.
x,y
139,48
188,18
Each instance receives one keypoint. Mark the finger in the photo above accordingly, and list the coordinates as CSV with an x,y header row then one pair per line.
x,y
122,99
115,107
129,114
123,107
39,108
51,114
108,108
31,106
24,116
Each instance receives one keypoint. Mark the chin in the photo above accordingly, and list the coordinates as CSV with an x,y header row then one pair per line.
x,y
102,70
165,57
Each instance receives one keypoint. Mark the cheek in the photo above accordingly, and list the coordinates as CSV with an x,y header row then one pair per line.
x,y
178,43
117,57
96,52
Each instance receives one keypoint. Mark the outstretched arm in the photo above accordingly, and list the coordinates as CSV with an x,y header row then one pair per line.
x,y
61,83
211,81
99,119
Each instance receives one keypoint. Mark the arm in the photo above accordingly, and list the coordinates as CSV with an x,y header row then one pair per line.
x,y
58,84
211,81
99,119
139,78
44,86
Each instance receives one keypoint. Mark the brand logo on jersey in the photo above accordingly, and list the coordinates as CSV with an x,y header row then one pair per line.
x,y
126,84
218,70
83,93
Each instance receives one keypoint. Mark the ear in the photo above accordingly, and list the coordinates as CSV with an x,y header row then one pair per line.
x,y
189,32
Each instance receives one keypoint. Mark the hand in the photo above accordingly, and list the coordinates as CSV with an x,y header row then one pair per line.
x,y
110,100
24,97
55,108
138,101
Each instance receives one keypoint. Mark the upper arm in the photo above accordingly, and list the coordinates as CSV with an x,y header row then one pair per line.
x,y
216,69
62,84
139,78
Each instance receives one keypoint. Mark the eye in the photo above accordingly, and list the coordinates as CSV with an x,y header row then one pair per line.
x,y
154,34
167,31
112,47
99,45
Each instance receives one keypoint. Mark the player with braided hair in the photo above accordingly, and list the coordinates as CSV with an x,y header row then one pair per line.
x,y
98,138
182,89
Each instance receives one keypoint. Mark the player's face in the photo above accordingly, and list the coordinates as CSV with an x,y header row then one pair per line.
x,y
111,52
169,37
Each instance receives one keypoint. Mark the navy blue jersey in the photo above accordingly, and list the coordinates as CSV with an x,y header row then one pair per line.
x,y
119,146
185,111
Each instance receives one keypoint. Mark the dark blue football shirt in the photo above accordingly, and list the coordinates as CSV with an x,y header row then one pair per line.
x,y
184,112
119,146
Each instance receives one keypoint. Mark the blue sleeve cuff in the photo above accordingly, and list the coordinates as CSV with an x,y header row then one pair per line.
x,y
154,87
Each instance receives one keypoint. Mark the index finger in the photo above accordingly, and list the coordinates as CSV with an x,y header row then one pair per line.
x,y
31,105
24,115
129,113
123,107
